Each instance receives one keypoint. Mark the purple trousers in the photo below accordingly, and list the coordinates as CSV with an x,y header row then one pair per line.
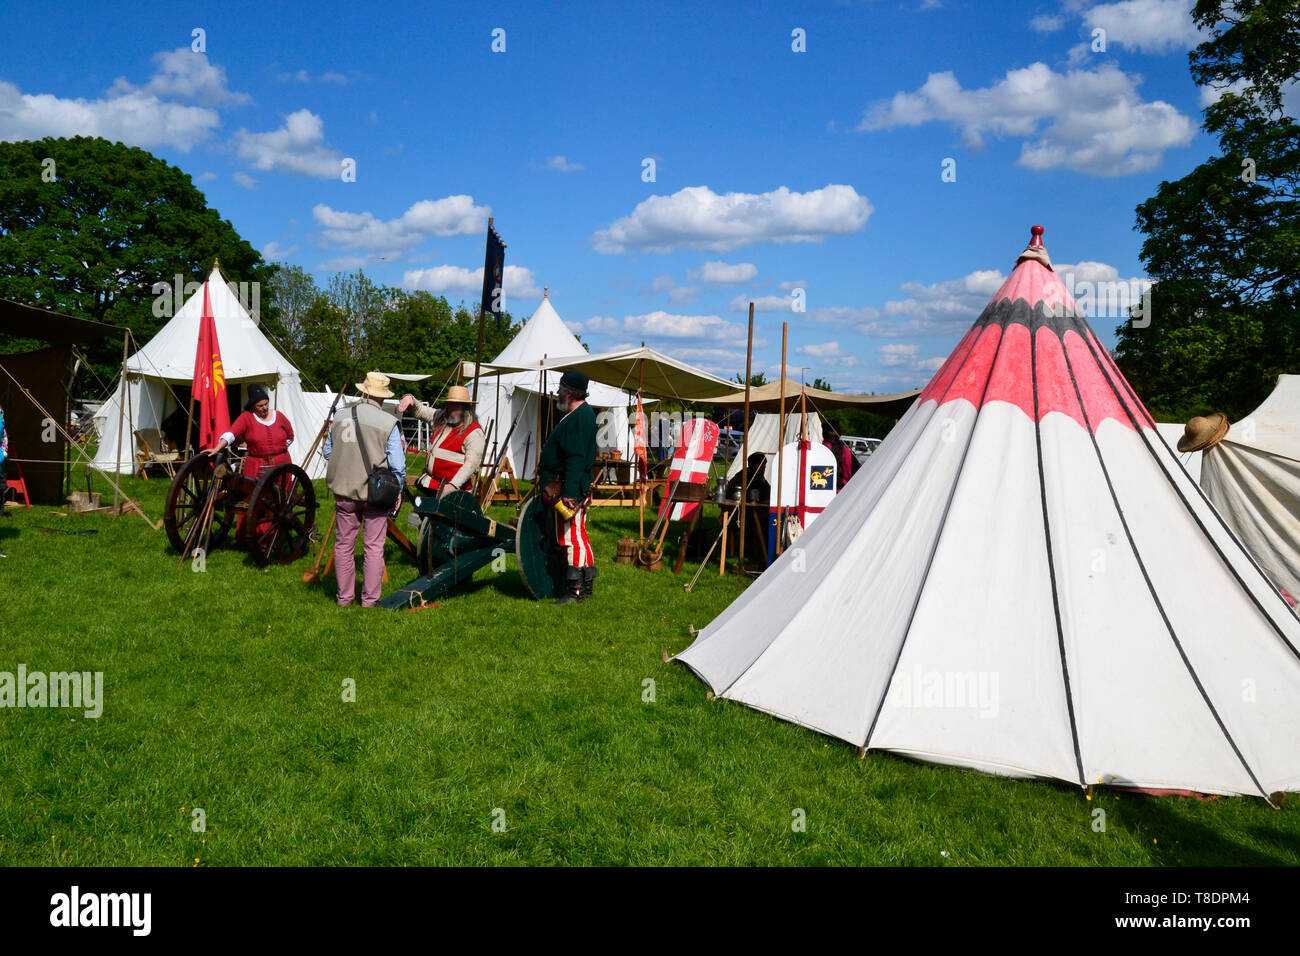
x,y
349,515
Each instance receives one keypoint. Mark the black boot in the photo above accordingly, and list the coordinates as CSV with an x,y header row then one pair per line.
x,y
588,577
572,592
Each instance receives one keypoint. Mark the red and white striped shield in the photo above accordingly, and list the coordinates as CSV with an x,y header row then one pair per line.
x,y
691,461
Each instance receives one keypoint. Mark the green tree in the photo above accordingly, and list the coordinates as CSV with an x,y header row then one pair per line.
x,y
88,227
1223,242
755,380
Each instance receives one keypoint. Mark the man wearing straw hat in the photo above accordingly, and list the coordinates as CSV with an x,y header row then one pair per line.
x,y
362,432
457,444
564,475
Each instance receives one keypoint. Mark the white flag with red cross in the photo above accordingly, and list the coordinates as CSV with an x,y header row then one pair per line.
x,y
691,461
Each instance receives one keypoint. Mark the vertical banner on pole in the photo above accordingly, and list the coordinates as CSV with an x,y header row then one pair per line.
x,y
493,301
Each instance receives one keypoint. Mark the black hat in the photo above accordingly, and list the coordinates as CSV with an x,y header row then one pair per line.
x,y
256,393
575,382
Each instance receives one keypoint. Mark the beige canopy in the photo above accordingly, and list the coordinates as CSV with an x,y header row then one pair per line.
x,y
767,398
654,373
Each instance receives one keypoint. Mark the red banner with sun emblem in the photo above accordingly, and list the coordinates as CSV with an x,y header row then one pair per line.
x,y
209,385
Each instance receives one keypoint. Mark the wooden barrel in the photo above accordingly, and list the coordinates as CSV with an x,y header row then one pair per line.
x,y
626,551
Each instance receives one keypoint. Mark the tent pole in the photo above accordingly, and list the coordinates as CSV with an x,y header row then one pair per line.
x,y
780,448
744,450
541,395
121,410
496,414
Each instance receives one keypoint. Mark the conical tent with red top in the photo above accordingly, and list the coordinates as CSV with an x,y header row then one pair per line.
x,y
1026,582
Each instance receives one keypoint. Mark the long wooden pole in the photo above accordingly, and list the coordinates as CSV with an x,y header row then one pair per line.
x,y
744,449
482,314
541,397
640,465
121,411
780,449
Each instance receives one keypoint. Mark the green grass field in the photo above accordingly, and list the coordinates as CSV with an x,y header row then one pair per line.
x,y
223,691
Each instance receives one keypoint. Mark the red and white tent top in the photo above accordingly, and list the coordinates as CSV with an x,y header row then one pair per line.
x,y
1026,582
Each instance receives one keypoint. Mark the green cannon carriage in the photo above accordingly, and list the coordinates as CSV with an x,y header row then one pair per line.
x,y
456,539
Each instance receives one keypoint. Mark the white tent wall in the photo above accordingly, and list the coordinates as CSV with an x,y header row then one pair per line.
x,y
519,408
150,400
762,436
167,360
511,398
1253,478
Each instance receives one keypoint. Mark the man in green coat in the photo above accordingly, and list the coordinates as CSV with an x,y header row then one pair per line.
x,y
564,473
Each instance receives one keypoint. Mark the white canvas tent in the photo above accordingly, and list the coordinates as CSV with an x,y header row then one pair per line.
x,y
167,360
1025,582
1253,477
762,437
511,398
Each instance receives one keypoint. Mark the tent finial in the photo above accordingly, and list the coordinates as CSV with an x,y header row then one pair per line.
x,y
546,291
1036,250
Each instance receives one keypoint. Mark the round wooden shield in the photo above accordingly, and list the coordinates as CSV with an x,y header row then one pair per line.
x,y
531,549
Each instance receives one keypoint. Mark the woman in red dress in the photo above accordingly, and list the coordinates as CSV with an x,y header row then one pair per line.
x,y
267,434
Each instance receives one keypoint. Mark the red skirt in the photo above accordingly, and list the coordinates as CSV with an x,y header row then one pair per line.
x,y
253,466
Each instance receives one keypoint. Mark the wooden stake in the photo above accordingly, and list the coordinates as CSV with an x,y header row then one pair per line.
x,y
744,450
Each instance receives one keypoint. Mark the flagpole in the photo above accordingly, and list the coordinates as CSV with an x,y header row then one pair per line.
x,y
121,411
482,313
744,450
780,449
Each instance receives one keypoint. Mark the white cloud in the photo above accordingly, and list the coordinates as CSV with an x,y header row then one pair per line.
x,y
668,325
722,273
1148,26
342,264
898,354
205,177
245,180
698,218
296,147
136,118
683,295
456,280
185,75
1047,23
1290,95
302,76
663,283
449,216
1092,121
561,164
762,303
791,286
719,361
822,350
272,251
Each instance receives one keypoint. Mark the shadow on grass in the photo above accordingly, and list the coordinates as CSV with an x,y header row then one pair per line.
x,y
1170,837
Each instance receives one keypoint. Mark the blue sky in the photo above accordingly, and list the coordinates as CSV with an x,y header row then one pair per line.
x,y
774,170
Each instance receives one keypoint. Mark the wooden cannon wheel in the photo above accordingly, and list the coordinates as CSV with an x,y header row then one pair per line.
x,y
532,549
281,516
187,497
